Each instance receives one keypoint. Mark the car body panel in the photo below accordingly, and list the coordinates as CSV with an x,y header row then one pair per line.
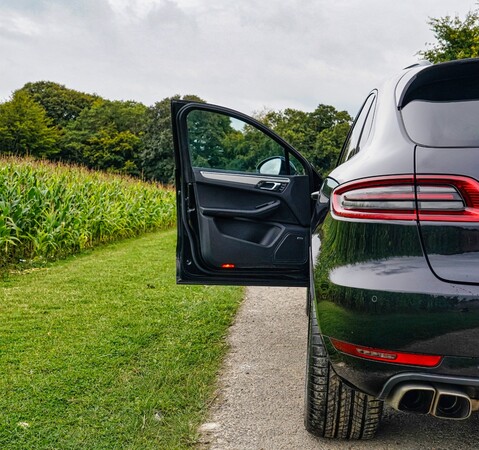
x,y
388,151
452,248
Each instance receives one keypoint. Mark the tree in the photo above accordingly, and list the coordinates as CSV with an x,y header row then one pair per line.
x,y
292,125
318,135
49,120
456,39
107,136
157,156
328,146
61,104
25,128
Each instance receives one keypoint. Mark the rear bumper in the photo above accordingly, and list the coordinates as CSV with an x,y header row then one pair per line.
x,y
443,321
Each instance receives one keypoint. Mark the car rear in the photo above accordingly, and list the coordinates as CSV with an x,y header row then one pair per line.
x,y
397,281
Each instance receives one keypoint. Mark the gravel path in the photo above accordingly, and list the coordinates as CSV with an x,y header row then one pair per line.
x,y
260,398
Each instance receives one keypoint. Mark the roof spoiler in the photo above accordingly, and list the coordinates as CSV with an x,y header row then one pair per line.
x,y
450,81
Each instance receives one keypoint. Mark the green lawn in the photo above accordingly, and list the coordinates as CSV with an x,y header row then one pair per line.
x,y
104,351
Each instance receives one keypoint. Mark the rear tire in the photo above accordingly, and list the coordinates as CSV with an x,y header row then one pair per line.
x,y
333,409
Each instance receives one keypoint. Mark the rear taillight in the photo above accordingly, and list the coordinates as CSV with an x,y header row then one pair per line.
x,y
450,210
442,198
388,198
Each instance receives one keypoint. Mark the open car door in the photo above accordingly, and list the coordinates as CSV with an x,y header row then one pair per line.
x,y
243,200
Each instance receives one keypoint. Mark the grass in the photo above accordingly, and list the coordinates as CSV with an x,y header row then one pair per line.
x,y
104,351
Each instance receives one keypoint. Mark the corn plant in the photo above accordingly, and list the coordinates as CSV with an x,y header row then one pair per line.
x,y
51,210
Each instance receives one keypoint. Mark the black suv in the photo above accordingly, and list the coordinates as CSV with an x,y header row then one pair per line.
x,y
388,243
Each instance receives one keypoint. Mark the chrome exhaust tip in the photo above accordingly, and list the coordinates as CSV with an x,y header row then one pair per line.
x,y
441,402
451,404
413,398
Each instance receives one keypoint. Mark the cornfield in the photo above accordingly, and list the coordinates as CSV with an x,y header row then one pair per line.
x,y
51,210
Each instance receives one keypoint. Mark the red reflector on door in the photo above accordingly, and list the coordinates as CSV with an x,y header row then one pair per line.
x,y
227,266
412,359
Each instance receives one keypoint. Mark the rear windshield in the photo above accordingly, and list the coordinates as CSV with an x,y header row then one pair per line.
x,y
440,107
443,123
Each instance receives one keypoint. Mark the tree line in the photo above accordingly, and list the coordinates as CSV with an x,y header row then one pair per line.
x,y
47,120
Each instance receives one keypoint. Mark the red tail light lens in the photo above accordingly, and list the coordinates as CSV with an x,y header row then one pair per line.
x,y
449,211
413,359
425,197
386,198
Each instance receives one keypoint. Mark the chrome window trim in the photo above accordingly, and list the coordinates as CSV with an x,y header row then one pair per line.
x,y
239,178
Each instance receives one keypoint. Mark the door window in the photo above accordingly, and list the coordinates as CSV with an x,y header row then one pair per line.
x,y
218,141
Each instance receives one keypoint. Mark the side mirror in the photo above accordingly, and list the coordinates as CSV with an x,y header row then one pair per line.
x,y
276,165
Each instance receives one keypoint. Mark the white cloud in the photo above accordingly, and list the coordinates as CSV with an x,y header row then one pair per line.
x,y
17,25
134,10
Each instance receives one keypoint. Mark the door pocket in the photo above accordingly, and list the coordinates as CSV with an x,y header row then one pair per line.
x,y
254,232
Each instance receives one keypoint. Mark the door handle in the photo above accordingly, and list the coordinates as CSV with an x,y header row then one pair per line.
x,y
270,185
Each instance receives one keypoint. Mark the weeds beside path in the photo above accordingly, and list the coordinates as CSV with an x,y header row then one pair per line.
x,y
104,351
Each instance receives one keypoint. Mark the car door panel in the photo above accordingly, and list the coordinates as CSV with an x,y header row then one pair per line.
x,y
237,227
255,228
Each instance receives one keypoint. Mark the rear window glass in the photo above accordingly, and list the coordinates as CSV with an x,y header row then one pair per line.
x,y
443,123
440,108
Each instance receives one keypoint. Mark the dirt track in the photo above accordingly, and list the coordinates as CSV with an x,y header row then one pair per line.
x,y
260,399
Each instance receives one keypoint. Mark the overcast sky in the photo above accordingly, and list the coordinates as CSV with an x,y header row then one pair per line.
x,y
245,54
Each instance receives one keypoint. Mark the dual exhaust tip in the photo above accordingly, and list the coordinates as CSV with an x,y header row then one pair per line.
x,y
444,403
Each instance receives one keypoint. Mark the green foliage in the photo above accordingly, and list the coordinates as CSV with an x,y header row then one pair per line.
x,y
456,38
47,120
220,142
318,135
292,125
328,146
244,149
104,351
25,128
157,154
61,104
106,136
49,211
207,133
